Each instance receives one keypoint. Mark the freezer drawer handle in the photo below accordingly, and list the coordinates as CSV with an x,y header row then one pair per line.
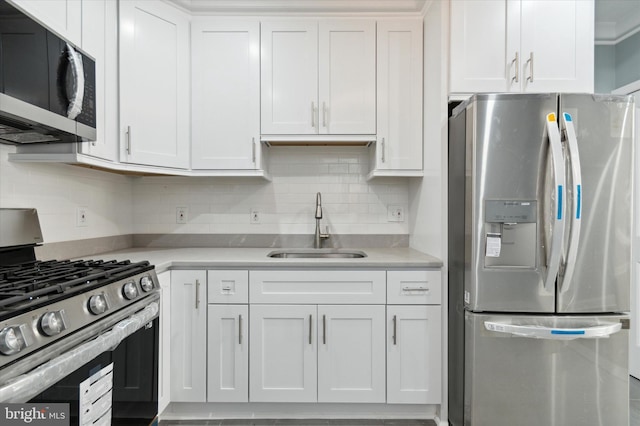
x,y
551,333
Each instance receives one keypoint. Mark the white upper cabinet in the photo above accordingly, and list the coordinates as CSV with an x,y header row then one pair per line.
x,y
318,77
154,84
225,94
398,149
522,46
347,70
62,16
100,40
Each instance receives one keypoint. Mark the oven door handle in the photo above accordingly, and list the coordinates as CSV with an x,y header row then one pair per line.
x,y
26,386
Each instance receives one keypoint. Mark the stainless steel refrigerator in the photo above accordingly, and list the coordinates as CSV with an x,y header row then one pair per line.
x,y
539,259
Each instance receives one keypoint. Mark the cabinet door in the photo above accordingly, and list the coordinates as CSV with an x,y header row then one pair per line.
x,y
414,370
226,94
399,140
62,16
289,77
154,84
347,76
351,359
283,353
99,39
227,353
557,45
188,336
485,39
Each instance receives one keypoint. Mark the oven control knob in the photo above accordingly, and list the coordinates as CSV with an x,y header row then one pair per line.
x,y
11,340
130,290
53,323
98,304
146,283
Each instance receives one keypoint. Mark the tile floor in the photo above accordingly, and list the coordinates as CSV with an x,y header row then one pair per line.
x,y
634,402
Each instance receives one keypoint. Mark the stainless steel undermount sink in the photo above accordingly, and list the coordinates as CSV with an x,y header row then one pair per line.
x,y
310,253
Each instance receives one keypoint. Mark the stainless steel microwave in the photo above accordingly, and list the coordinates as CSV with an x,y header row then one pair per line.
x,y
47,85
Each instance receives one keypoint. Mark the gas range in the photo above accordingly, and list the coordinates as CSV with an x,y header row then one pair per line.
x,y
42,302
55,314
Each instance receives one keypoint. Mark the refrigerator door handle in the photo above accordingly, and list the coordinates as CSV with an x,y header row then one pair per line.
x,y
557,227
577,201
553,333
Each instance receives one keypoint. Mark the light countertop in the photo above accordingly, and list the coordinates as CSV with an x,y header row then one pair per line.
x,y
256,258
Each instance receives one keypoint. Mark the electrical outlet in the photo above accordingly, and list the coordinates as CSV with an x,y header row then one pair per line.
x,y
395,214
254,216
82,218
182,214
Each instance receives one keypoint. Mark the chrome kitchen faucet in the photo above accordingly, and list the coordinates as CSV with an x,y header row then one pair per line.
x,y
317,243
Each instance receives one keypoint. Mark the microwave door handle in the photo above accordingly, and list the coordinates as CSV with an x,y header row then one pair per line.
x,y
77,71
577,201
557,227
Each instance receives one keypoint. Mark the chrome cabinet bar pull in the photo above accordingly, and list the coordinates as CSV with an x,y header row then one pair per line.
x,y
516,61
313,115
415,289
395,330
253,149
324,114
530,62
128,140
240,329
310,322
383,156
324,329
197,293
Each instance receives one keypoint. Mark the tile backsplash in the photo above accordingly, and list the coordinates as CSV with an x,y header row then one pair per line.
x,y
286,205
58,190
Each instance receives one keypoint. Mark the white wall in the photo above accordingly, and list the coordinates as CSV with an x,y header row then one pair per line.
x,y
351,205
56,190
428,196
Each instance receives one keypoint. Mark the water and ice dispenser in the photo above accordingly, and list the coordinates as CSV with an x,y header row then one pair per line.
x,y
510,233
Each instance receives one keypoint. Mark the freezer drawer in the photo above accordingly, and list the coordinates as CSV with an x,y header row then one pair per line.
x,y
546,370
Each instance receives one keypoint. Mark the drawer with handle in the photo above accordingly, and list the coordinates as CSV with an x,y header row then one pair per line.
x,y
227,286
414,287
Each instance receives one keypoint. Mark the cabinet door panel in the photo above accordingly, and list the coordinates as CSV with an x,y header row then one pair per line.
x,y
399,94
347,86
226,94
289,77
351,360
154,92
283,353
227,353
188,336
567,25
485,38
413,355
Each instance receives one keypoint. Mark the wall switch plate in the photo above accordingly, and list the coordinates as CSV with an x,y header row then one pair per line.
x,y
395,214
82,218
254,216
182,214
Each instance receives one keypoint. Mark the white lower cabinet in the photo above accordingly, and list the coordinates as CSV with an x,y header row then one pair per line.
x,y
413,354
227,353
283,355
351,361
188,336
325,353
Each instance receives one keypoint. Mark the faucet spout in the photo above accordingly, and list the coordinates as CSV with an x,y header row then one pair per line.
x,y
319,236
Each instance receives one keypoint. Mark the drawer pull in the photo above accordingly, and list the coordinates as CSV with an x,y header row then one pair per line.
x,y
415,289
